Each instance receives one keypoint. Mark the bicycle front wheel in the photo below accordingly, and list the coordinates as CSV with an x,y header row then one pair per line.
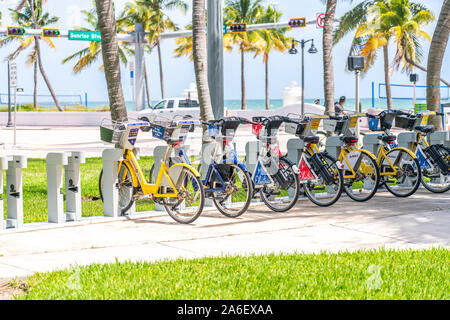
x,y
406,180
322,192
188,205
126,189
235,199
433,179
367,178
282,196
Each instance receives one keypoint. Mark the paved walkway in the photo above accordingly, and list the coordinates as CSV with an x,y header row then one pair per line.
x,y
422,220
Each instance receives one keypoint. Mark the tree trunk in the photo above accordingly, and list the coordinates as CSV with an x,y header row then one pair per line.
x,y
435,58
111,61
147,89
243,97
200,61
161,73
44,75
328,70
35,81
387,78
267,82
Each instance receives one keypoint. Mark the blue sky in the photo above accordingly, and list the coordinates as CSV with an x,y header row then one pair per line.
x,y
179,72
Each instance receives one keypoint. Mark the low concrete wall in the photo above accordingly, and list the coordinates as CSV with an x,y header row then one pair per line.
x,y
65,119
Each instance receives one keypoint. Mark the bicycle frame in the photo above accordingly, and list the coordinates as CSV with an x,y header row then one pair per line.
x,y
349,163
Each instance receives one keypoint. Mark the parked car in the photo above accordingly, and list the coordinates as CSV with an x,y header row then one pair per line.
x,y
170,108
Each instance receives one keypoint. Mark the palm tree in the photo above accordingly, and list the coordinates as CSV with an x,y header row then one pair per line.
x,y
31,15
243,11
201,60
111,59
151,13
268,40
379,21
328,69
435,58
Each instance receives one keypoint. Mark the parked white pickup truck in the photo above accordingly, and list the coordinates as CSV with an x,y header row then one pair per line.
x,y
169,108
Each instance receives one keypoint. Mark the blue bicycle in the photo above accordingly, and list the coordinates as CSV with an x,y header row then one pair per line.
x,y
227,181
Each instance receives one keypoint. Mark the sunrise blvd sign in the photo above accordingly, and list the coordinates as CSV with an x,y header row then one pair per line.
x,y
84,35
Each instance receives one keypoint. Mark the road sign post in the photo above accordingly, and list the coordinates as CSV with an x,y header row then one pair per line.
x,y
320,21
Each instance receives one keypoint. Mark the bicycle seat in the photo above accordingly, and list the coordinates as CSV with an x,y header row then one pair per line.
x,y
425,129
388,139
310,139
349,140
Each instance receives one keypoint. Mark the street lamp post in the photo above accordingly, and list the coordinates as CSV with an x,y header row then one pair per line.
x,y
9,124
311,50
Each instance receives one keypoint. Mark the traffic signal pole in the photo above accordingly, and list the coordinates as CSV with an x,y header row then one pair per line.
x,y
139,67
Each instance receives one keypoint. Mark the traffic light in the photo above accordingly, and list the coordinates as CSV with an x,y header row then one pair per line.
x,y
15,31
297,23
51,33
238,27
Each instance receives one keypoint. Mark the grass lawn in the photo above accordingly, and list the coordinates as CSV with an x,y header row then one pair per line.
x,y
378,274
35,189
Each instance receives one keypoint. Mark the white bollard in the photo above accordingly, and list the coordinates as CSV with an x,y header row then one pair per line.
x,y
3,166
440,137
406,139
55,198
110,189
73,185
14,191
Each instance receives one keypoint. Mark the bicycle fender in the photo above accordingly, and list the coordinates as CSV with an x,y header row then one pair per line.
x,y
404,149
242,167
132,170
187,167
370,154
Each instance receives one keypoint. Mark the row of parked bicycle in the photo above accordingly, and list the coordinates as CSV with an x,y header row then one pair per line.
x,y
274,177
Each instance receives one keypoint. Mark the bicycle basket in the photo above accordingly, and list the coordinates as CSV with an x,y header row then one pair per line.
x,y
111,131
404,122
335,126
374,125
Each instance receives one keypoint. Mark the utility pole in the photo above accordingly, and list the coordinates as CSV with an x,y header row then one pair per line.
x,y
139,67
215,56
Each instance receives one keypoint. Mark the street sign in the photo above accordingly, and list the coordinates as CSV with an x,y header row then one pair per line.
x,y
225,28
320,20
20,91
13,75
84,35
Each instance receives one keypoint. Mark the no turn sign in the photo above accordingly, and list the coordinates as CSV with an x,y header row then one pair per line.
x,y
320,20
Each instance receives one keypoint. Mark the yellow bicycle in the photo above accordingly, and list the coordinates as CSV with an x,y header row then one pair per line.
x,y
399,167
178,187
360,168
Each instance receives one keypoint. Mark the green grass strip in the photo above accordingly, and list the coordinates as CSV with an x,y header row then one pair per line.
x,y
376,274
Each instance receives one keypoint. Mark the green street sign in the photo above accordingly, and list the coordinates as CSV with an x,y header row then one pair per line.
x,y
84,35
224,28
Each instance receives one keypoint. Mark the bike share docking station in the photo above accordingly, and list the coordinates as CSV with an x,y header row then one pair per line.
x,y
55,162
3,166
158,157
14,191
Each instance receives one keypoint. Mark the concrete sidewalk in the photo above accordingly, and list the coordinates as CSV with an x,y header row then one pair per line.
x,y
422,220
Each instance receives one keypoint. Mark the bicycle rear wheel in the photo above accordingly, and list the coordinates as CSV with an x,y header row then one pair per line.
x,y
188,206
364,186
235,200
408,177
433,179
282,197
321,192
126,189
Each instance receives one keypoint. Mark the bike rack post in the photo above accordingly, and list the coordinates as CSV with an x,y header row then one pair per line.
x,y
334,145
55,198
3,166
251,155
406,139
206,154
440,137
372,143
73,185
14,191
295,149
110,189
